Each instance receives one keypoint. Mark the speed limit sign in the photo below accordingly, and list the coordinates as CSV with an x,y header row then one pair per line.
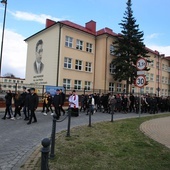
x,y
140,81
141,64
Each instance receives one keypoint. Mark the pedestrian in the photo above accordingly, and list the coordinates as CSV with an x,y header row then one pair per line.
x,y
63,96
27,101
18,105
8,102
91,104
33,104
74,104
49,104
57,101
23,98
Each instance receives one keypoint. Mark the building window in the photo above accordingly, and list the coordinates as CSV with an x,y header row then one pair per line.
x,y
111,49
157,78
69,42
22,82
77,84
9,80
163,79
88,67
67,62
119,87
157,65
5,80
163,92
166,92
67,83
163,66
147,76
151,77
151,63
89,47
13,81
111,87
166,80
151,90
79,45
87,85
112,69
147,89
78,65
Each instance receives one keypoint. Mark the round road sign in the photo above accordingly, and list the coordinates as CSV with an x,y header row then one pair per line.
x,y
140,81
141,64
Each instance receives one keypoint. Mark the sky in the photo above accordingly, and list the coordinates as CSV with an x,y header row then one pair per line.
x,y
26,17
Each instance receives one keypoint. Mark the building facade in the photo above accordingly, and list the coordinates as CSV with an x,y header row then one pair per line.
x,y
79,57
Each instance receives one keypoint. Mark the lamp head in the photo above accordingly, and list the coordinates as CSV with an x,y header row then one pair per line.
x,y
4,2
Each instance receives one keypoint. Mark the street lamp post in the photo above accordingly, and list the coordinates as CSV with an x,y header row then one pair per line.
x,y
3,29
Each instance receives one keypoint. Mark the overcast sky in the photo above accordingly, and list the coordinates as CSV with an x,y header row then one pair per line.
x,y
26,17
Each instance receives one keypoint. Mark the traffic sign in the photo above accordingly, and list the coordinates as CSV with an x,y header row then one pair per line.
x,y
140,81
141,64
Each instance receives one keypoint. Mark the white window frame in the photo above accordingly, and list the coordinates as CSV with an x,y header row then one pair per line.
x,y
77,84
87,85
112,49
67,62
67,83
112,68
163,79
151,77
119,87
111,86
88,67
79,45
89,47
69,42
78,65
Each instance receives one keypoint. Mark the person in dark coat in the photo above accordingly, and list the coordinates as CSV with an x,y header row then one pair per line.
x,y
27,101
57,102
18,105
23,98
33,104
63,96
8,102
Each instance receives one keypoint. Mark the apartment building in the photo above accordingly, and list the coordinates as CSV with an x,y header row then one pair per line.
x,y
79,57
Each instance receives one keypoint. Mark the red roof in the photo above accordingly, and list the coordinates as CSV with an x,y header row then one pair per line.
x,y
76,26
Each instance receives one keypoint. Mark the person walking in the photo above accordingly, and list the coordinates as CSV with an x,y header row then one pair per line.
x,y
8,102
33,104
18,105
57,101
63,96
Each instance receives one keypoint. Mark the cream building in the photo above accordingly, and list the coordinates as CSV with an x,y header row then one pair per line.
x,y
79,57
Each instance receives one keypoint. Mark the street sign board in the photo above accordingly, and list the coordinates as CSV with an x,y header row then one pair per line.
x,y
141,72
140,81
141,64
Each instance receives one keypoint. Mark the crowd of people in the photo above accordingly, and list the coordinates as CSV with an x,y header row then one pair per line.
x,y
27,102
124,103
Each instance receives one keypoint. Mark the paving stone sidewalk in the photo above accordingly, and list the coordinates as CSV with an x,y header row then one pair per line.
x,y
158,130
19,140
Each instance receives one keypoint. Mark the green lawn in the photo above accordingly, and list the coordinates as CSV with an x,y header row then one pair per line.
x,y
118,145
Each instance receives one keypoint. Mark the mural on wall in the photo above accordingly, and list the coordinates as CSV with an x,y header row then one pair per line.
x,y
38,78
38,65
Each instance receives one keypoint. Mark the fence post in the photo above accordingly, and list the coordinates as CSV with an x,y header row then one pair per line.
x,y
90,118
69,122
52,155
44,154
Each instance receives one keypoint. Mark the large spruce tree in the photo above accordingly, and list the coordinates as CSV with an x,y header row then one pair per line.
x,y
129,47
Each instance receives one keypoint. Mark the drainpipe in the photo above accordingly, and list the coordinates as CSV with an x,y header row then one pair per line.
x,y
94,76
106,65
59,44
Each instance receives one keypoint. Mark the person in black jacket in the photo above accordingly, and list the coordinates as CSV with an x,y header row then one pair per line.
x,y
8,102
33,104
18,105
57,102
63,96
23,97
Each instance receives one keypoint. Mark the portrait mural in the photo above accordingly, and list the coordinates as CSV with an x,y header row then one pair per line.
x,y
38,65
